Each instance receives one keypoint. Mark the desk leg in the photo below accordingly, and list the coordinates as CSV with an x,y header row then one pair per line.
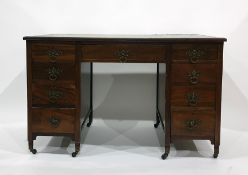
x,y
91,95
77,149
216,151
157,89
167,107
31,148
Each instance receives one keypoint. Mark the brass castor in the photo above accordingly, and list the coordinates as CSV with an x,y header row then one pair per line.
x,y
74,154
34,151
164,156
215,156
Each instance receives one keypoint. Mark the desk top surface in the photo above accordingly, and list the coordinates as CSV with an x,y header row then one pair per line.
x,y
104,37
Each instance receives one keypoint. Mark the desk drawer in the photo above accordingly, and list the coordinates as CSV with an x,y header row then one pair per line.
x,y
53,72
46,52
191,53
46,120
59,94
123,53
193,96
193,124
193,74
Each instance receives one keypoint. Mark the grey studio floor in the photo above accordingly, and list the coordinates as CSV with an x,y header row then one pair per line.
x,y
121,142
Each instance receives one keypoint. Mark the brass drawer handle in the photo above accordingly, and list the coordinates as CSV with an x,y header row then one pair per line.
x,y
53,54
54,94
192,99
123,55
195,54
54,73
193,77
192,124
54,122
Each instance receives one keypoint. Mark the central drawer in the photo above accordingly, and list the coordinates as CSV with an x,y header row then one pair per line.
x,y
123,53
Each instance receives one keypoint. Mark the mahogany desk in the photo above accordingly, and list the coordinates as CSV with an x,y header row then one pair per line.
x,y
189,80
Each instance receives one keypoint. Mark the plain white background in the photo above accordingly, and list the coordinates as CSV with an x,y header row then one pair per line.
x,y
116,142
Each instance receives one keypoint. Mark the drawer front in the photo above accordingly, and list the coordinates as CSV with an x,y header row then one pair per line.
x,y
193,54
61,94
53,72
197,96
46,52
193,74
193,124
53,120
123,53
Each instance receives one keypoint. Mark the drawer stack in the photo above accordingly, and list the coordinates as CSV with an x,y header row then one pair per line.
x,y
194,92
53,88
